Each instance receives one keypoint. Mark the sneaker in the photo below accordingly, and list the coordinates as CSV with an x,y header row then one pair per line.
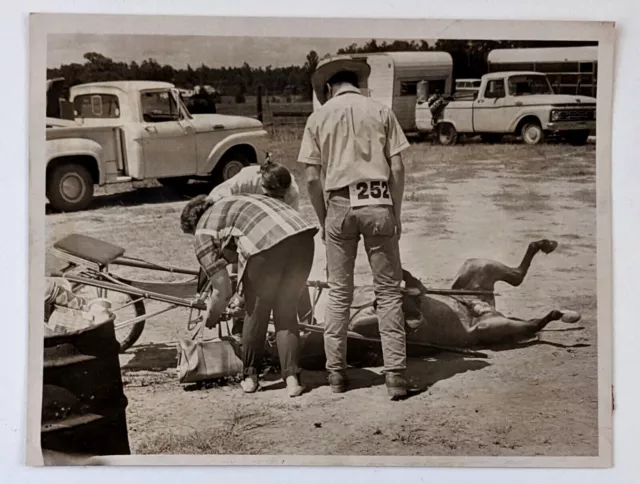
x,y
295,388
338,381
250,384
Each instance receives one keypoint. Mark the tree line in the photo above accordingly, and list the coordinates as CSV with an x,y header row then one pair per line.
x,y
469,60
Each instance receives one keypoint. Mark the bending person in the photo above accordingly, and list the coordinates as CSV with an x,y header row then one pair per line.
x,y
273,180
274,248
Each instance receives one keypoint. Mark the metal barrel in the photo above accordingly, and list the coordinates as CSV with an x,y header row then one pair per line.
x,y
83,404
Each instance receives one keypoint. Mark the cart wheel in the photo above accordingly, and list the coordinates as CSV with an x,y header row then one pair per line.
x,y
124,308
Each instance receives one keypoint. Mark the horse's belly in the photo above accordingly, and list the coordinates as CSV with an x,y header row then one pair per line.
x,y
447,323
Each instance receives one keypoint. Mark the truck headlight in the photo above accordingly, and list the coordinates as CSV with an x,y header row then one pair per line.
x,y
555,116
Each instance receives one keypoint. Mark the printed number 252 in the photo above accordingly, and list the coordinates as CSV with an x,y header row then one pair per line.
x,y
374,189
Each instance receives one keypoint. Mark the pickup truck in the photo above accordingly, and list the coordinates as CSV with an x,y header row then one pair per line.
x,y
126,131
512,103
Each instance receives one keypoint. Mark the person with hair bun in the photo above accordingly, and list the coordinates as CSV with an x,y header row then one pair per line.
x,y
273,180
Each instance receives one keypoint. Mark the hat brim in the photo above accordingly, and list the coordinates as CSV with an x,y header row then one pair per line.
x,y
326,71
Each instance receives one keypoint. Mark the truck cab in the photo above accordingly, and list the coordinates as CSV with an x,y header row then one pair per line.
x,y
136,130
517,103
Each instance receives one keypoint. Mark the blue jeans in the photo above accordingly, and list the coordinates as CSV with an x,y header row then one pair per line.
x,y
377,226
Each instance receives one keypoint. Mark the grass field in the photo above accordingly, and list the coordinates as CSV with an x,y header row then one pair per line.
x,y
470,200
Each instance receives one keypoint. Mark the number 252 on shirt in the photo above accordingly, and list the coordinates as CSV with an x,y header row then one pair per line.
x,y
370,193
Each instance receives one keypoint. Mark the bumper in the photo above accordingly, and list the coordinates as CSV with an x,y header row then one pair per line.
x,y
571,126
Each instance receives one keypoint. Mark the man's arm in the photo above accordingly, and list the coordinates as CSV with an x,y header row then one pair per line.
x,y
396,186
316,193
396,143
310,155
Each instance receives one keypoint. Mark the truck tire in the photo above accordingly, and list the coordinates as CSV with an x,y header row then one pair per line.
x,y
70,187
576,138
229,166
532,133
447,134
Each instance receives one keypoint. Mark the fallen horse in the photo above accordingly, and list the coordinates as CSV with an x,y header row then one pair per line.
x,y
456,320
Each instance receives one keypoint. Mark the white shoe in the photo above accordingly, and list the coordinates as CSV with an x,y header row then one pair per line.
x,y
294,387
250,384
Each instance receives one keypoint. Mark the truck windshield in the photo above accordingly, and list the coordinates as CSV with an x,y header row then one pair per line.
x,y
527,84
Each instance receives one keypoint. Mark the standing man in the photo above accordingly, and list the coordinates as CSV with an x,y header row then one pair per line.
x,y
355,178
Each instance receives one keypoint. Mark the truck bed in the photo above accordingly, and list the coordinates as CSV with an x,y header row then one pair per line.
x,y
110,138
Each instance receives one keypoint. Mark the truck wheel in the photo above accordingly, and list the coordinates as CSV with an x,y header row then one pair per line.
x,y
229,166
447,134
576,138
70,187
532,133
491,138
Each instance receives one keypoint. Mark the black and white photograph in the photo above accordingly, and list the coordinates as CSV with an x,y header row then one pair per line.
x,y
362,246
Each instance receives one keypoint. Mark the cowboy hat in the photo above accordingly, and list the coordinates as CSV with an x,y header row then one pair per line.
x,y
326,71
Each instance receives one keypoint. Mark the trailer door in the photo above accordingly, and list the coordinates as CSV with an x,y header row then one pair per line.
x,y
404,103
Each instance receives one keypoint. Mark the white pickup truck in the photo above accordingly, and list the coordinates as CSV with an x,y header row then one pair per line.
x,y
137,130
512,103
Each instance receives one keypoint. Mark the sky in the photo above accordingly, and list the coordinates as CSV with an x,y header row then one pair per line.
x,y
178,51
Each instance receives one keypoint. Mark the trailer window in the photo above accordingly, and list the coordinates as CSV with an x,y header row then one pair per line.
x,y
556,67
409,88
96,106
513,66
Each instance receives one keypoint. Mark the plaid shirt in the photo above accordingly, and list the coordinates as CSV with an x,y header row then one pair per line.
x,y
250,223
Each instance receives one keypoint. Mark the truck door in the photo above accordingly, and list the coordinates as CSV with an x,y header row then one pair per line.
x,y
168,139
489,108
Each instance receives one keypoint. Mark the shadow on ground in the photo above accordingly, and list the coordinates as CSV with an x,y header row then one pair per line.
x,y
142,196
152,357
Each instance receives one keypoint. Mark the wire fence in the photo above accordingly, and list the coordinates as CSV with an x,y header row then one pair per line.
x,y
283,116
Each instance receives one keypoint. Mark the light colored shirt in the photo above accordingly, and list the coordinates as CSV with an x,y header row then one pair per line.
x,y
352,137
247,223
249,180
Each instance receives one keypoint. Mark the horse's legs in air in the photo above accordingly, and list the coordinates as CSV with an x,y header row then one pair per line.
x,y
494,328
482,274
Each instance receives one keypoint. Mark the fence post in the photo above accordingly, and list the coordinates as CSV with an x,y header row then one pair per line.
x,y
259,103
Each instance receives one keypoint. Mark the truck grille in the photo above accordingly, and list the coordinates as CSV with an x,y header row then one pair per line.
x,y
576,115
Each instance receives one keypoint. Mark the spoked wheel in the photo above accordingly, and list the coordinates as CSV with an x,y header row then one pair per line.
x,y
124,307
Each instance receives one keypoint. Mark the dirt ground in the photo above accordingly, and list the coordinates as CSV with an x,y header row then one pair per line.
x,y
471,200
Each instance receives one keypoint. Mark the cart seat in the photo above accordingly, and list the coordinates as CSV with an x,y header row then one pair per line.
x,y
85,248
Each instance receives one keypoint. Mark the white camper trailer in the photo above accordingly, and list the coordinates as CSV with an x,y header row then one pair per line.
x,y
395,76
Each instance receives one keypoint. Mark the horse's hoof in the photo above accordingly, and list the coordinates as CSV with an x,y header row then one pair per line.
x,y
548,246
569,316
